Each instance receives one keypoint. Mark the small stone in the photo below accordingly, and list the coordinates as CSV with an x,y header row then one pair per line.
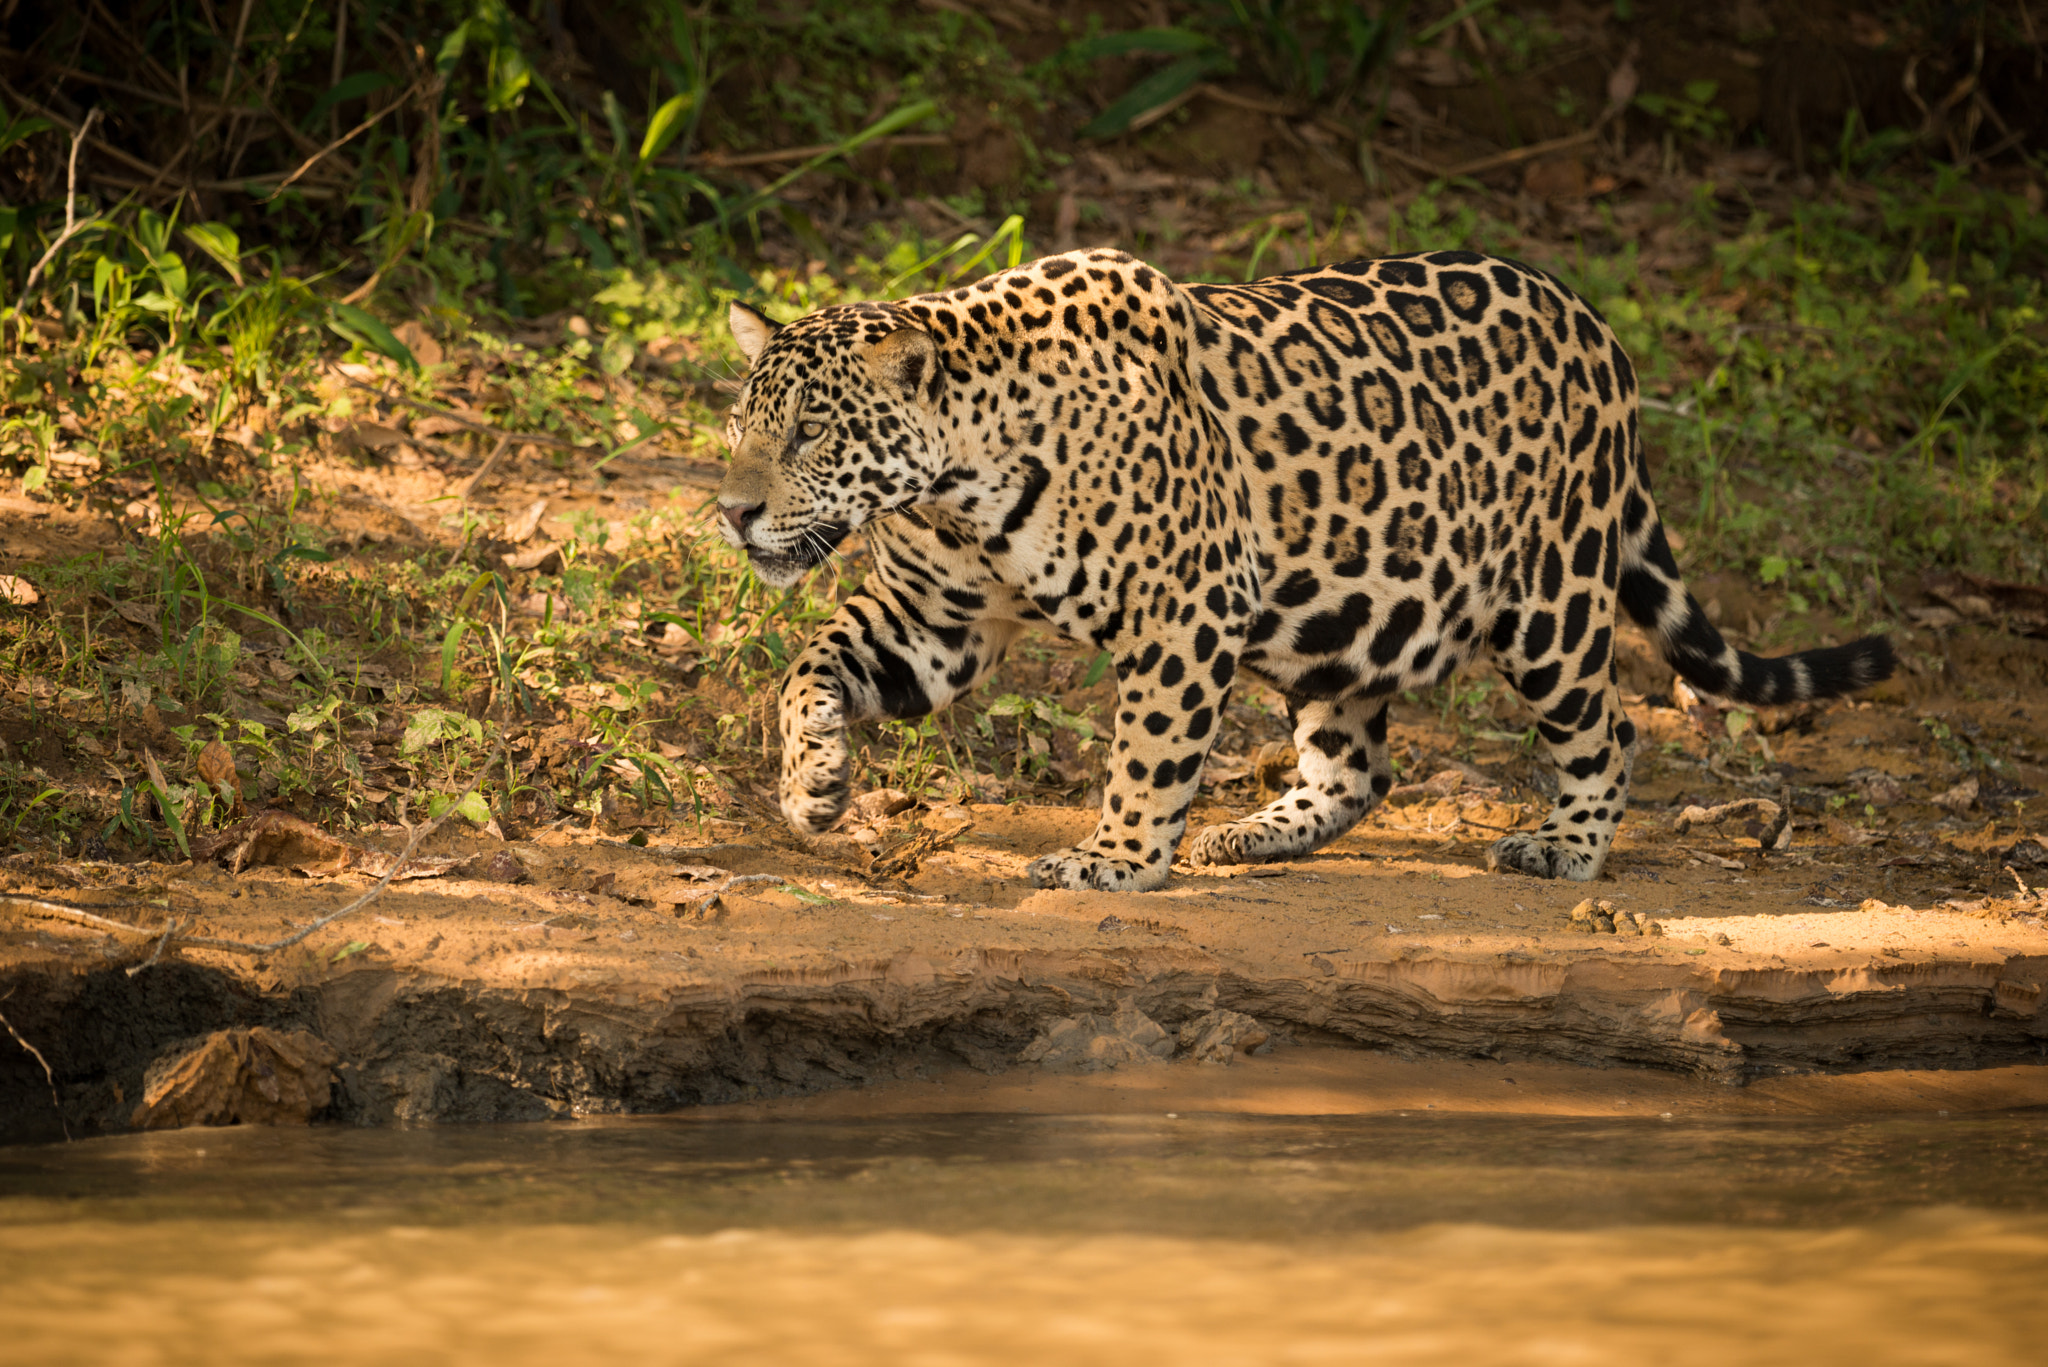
x,y
1583,911
1604,925
1721,939
1219,1036
1110,925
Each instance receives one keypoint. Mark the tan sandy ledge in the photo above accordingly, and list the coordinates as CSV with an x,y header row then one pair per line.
x,y
458,999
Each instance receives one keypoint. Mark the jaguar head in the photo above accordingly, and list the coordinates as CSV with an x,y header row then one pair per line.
x,y
835,426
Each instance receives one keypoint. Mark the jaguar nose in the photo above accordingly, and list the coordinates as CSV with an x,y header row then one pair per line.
x,y
739,515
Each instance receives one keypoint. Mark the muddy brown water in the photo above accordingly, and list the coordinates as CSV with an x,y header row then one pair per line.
x,y
1001,1238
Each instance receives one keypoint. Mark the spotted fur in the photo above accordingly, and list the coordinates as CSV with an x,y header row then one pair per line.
x,y
1345,481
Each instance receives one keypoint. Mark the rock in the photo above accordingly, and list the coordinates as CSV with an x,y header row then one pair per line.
x,y
1960,798
2028,853
1093,1043
880,805
1221,1036
499,866
254,1076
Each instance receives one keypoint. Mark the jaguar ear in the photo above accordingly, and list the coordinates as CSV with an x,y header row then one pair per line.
x,y
907,360
750,329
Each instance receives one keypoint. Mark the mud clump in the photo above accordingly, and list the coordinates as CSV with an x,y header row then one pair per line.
x,y
254,1076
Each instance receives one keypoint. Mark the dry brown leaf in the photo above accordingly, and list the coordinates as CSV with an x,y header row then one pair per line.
x,y
216,769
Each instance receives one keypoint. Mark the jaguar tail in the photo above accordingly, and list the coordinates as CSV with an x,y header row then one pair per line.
x,y
1652,592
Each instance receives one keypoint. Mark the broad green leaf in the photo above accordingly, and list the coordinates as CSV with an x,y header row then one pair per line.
x,y
430,726
668,121
359,326
473,808
219,241
1171,41
1168,83
1773,568
451,647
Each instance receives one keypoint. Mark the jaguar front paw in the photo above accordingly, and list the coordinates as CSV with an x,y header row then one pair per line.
x,y
818,786
1245,842
1085,872
1542,857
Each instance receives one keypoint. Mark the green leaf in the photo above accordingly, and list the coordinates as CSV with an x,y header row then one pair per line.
x,y
358,326
1162,87
473,808
476,587
1098,667
451,645
1172,41
1773,568
452,47
430,726
219,241
668,121
349,950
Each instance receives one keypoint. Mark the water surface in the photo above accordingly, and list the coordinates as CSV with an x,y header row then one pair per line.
x,y
970,1240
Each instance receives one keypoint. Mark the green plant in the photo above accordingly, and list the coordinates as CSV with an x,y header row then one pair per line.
x,y
1692,113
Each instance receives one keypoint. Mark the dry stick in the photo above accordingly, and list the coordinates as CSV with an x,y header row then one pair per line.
x,y
504,444
65,911
70,911
71,225
419,835
48,1076
710,895
332,147
485,429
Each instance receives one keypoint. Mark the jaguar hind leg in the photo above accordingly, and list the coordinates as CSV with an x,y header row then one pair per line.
x,y
1344,771
1592,743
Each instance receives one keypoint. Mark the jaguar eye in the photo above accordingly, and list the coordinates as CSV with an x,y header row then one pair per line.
x,y
812,430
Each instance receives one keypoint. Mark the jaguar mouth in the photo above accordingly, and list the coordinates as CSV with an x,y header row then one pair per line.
x,y
811,549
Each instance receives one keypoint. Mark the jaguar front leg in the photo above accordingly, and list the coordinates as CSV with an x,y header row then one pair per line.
x,y
884,653
1169,700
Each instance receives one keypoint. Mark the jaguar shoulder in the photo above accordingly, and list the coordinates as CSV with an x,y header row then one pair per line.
x,y
1345,482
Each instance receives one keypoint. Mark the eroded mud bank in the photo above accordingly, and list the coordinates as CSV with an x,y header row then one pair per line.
x,y
458,999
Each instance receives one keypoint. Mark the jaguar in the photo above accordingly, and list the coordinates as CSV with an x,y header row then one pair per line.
x,y
1344,482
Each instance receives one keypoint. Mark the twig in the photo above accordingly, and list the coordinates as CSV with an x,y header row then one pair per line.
x,y
173,934
332,147
485,429
419,835
722,161
67,911
71,225
709,896
48,1076
171,928
504,444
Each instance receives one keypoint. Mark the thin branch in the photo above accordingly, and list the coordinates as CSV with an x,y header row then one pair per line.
x,y
173,936
48,1076
72,227
483,429
419,836
333,146
504,444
